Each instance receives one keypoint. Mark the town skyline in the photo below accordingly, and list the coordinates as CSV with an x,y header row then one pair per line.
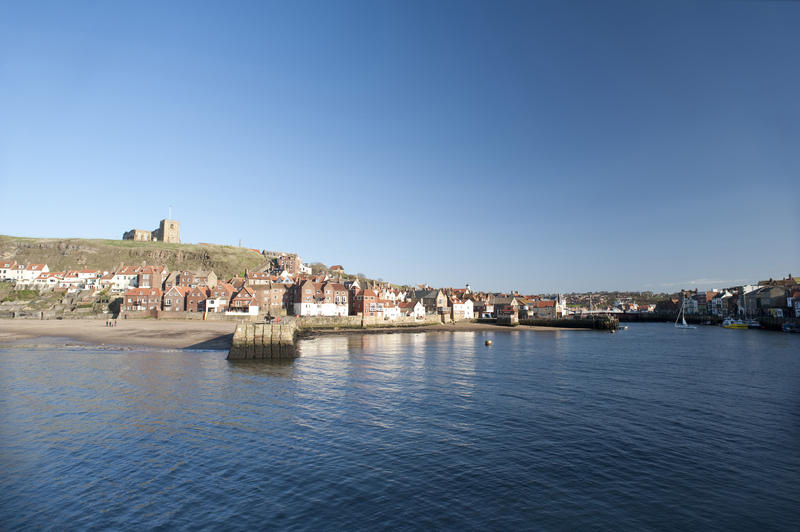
x,y
549,147
662,287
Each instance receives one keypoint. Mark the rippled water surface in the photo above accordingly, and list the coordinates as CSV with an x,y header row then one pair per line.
x,y
651,428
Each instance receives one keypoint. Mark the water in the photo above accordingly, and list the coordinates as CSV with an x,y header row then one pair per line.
x,y
651,428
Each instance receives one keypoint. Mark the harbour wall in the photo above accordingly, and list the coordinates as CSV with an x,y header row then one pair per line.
x,y
276,340
312,323
604,323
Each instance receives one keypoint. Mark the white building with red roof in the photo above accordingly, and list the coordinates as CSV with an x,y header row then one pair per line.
x,y
7,270
124,278
48,280
26,274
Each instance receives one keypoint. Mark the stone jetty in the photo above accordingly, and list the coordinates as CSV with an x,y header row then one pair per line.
x,y
264,341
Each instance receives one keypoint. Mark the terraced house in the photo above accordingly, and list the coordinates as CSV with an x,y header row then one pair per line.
x,y
175,299
320,299
142,299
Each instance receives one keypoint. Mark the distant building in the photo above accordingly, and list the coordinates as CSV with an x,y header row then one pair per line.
x,y
167,231
290,262
138,234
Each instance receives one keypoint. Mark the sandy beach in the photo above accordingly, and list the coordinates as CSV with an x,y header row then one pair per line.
x,y
191,334
175,334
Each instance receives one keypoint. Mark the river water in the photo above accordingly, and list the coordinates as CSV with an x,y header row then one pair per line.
x,y
651,428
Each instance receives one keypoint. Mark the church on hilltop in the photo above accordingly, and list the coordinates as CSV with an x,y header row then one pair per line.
x,y
167,231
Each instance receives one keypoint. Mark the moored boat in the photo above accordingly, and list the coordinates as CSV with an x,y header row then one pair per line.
x,y
730,323
682,316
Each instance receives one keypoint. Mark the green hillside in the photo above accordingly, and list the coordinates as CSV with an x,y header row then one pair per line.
x,y
75,253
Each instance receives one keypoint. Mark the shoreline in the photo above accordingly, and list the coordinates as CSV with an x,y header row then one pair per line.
x,y
188,334
193,334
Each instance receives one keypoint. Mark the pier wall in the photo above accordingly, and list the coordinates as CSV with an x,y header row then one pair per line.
x,y
605,324
263,341
358,322
274,341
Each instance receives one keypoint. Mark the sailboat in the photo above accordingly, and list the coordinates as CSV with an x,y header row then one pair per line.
x,y
682,316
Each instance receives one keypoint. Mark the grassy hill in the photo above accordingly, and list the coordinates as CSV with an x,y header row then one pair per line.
x,y
75,253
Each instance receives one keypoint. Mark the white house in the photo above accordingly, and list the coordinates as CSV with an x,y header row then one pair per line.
x,y
8,271
26,274
124,279
216,304
412,308
70,280
106,281
390,310
469,310
419,311
463,310
48,280
89,278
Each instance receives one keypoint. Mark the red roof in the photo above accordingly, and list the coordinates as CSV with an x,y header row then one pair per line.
x,y
47,275
143,292
182,290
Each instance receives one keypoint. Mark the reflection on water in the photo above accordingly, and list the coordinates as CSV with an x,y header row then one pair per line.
x,y
269,368
552,429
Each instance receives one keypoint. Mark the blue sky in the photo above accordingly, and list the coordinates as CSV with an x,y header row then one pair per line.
x,y
542,146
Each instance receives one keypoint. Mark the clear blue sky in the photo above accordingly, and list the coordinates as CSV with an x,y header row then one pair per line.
x,y
543,146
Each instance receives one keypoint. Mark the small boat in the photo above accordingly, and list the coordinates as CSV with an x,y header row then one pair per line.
x,y
730,323
753,324
682,317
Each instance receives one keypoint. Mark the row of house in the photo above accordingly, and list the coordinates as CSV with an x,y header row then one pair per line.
x,y
284,286
773,298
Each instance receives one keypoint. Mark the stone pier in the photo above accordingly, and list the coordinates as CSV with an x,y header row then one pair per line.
x,y
264,341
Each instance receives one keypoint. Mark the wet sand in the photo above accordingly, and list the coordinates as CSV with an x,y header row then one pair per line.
x,y
152,333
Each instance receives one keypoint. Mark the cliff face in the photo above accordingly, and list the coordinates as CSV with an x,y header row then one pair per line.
x,y
75,253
